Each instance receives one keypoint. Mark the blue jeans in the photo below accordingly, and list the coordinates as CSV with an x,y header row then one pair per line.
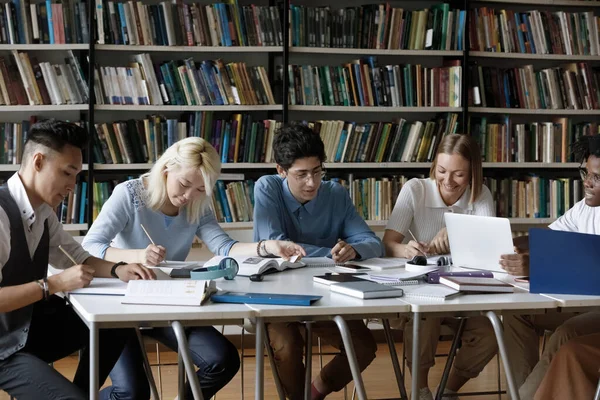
x,y
216,357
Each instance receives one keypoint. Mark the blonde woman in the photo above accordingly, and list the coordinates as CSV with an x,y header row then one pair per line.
x,y
455,184
172,202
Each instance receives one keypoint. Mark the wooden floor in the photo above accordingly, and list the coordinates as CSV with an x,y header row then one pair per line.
x,y
378,378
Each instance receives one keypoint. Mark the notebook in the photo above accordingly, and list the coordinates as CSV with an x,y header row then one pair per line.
x,y
430,292
103,286
476,284
366,290
434,277
401,278
265,298
169,292
334,278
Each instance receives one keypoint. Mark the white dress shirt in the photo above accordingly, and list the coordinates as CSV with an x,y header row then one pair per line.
x,y
33,225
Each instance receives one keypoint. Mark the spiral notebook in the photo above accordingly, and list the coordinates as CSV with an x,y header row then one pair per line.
x,y
430,292
402,278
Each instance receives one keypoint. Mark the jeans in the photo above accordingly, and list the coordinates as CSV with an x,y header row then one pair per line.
x,y
216,357
56,332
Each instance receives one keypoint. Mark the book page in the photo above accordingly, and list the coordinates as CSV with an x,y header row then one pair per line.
x,y
170,288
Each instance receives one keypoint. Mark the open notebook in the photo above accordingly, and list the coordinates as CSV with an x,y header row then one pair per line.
x,y
169,292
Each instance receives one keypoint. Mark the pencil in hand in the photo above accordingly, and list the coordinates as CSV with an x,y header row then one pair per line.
x,y
415,239
68,255
151,241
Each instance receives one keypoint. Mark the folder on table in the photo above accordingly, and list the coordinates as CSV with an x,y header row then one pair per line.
x,y
563,262
265,298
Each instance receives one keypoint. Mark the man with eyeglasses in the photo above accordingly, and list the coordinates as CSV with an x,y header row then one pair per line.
x,y
522,331
296,205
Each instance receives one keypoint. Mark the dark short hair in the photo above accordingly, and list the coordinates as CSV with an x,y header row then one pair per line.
x,y
297,141
56,134
585,146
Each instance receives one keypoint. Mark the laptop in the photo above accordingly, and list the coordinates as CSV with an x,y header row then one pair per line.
x,y
564,262
478,242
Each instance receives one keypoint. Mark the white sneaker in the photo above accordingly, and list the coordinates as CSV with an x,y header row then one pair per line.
x,y
425,394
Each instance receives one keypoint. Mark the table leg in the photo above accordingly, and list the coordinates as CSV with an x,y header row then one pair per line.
x,y
308,360
94,354
414,395
597,395
498,329
394,356
276,376
448,367
351,355
180,376
184,350
259,392
153,390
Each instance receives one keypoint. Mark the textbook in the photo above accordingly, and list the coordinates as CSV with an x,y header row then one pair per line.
x,y
169,292
260,265
476,284
366,290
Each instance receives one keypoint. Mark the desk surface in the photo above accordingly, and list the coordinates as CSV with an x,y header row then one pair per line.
x,y
300,282
519,300
575,300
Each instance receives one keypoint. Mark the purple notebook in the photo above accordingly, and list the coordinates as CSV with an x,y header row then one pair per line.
x,y
434,277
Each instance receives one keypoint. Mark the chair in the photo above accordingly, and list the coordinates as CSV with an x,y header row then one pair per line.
x,y
597,395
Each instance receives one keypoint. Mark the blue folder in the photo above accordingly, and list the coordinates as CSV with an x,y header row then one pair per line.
x,y
564,262
264,298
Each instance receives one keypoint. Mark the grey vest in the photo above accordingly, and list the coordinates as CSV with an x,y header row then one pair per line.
x,y
19,269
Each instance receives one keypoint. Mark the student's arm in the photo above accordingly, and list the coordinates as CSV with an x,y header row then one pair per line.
x,y
357,233
399,224
267,222
113,218
99,267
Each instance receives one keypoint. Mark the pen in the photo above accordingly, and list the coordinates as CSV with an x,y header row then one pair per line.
x,y
149,238
415,239
68,255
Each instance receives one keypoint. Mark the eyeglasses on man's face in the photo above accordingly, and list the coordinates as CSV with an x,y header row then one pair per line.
x,y
594,178
306,176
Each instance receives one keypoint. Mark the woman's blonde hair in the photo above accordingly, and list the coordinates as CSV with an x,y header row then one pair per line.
x,y
465,146
192,152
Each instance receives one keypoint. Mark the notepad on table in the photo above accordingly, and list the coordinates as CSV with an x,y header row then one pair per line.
x,y
103,286
430,292
366,290
169,292
476,284
400,278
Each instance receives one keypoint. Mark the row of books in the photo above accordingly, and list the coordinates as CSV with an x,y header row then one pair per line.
x,y
397,141
183,83
534,197
49,21
234,201
378,26
547,142
73,209
238,139
535,32
570,86
182,24
29,82
363,83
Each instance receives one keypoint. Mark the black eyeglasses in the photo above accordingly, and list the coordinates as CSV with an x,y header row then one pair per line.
x,y
595,178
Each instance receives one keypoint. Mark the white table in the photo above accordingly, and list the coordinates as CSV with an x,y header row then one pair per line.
x,y
477,304
575,301
99,312
332,306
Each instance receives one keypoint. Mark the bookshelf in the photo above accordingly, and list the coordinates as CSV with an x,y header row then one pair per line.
x,y
276,58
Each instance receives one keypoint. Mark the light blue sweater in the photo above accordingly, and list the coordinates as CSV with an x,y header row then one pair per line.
x,y
120,218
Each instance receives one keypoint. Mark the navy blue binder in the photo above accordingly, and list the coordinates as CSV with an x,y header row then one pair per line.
x,y
265,298
564,262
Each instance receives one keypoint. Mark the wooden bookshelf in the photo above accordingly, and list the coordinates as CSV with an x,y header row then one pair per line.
x,y
547,3
383,223
44,107
235,108
526,111
376,52
372,109
527,56
15,167
189,49
50,47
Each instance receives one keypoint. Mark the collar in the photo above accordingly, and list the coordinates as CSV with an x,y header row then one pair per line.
x,y
18,192
433,199
293,205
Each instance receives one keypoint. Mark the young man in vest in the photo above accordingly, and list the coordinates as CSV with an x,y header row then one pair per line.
x,y
295,205
522,331
37,327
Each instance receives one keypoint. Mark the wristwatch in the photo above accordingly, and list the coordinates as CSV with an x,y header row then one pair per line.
x,y
113,270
